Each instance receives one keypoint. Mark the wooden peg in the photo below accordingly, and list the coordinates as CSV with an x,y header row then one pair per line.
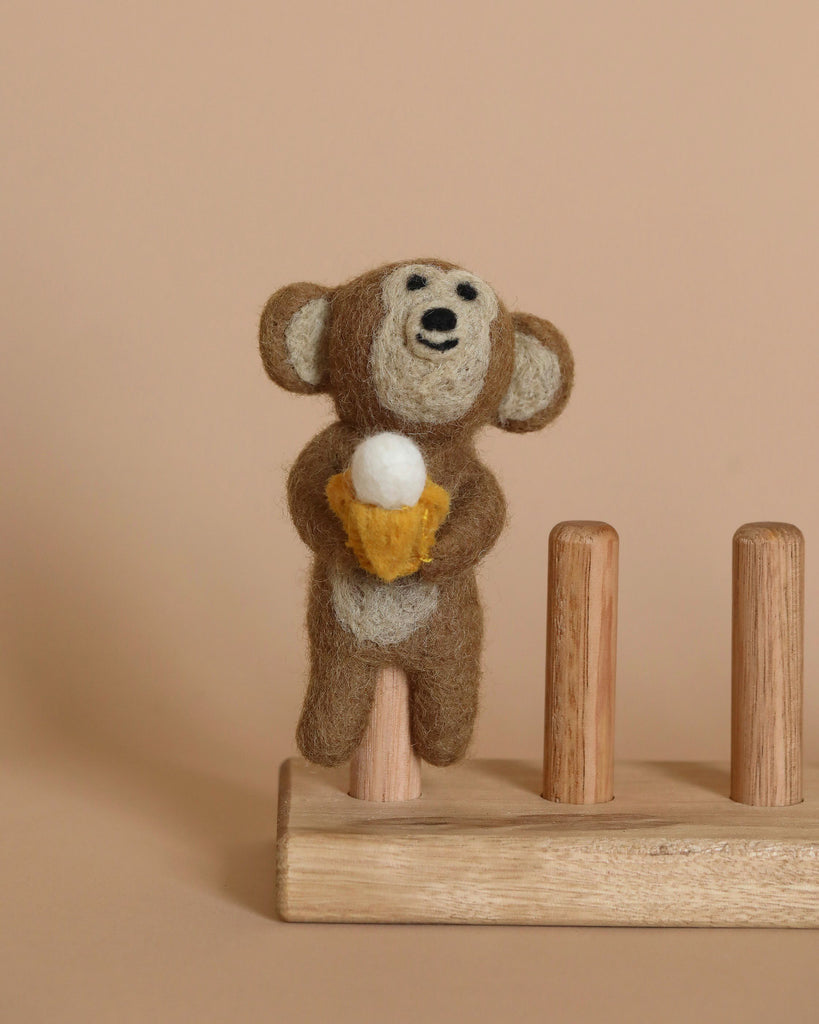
x,y
581,637
385,767
767,664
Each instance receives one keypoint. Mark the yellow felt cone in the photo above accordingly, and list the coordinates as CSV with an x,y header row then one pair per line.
x,y
388,542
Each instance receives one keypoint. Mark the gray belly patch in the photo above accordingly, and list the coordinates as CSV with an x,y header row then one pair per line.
x,y
378,612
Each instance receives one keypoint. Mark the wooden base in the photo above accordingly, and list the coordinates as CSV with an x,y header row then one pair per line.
x,y
481,846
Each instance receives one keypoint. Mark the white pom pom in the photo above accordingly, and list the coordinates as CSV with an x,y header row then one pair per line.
x,y
388,470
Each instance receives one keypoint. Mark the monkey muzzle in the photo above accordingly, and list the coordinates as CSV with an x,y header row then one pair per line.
x,y
434,324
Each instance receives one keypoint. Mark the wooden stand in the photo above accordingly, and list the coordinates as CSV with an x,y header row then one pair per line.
x,y
581,657
481,845
385,768
767,659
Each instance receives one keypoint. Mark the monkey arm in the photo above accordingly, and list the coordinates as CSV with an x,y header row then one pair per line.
x,y
317,525
476,518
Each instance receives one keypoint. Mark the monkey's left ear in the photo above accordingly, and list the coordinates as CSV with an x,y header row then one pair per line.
x,y
293,337
542,378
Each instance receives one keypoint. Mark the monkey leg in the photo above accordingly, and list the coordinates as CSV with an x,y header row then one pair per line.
x,y
443,705
336,707
444,676
340,693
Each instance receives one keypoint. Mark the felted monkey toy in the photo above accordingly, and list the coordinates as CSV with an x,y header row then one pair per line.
x,y
392,498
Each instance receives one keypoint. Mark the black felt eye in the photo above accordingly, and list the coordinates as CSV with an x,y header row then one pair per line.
x,y
466,291
415,282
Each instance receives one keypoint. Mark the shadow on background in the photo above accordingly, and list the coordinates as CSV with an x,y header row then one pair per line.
x,y
100,702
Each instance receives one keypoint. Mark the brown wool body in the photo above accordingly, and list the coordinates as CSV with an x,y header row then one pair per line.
x,y
359,343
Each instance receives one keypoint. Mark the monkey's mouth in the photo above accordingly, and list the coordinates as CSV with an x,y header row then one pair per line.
x,y
437,346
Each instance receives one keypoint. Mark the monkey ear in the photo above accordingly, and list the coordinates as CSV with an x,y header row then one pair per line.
x,y
293,337
542,378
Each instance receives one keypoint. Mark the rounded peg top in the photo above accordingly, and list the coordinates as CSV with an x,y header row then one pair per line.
x,y
581,531
767,533
767,664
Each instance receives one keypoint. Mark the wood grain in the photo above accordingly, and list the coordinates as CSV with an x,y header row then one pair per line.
x,y
385,767
767,664
581,653
482,846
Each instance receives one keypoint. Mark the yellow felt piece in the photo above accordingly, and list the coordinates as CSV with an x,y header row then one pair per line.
x,y
388,543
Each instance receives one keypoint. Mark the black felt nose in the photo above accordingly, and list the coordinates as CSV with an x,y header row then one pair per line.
x,y
439,319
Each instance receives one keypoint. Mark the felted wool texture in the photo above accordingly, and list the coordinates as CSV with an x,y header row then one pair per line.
x,y
358,313
389,543
415,379
378,612
388,469
542,379
441,659
440,651
429,622
293,340
303,338
534,382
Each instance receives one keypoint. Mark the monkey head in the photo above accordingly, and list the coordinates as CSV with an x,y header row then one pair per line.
x,y
421,347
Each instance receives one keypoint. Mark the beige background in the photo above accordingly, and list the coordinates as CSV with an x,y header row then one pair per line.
x,y
644,174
